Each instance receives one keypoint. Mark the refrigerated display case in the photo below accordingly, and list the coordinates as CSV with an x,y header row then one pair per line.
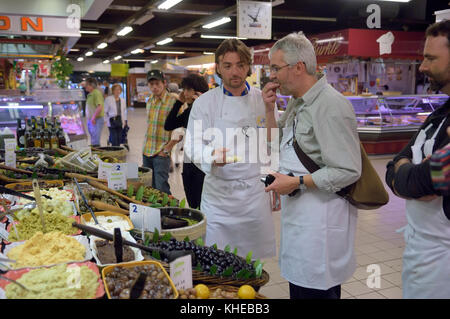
x,y
65,104
387,123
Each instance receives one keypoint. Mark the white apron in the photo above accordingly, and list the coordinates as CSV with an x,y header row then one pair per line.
x,y
426,259
238,210
317,231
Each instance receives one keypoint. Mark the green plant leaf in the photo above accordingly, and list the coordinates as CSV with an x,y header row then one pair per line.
x,y
227,248
165,200
156,255
130,192
155,236
173,203
247,274
199,242
258,270
241,274
34,175
186,239
228,272
140,193
235,251
199,267
183,203
256,263
249,257
214,246
156,205
213,270
166,237
147,240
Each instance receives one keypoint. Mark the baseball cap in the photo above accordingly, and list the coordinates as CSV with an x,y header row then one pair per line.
x,y
155,75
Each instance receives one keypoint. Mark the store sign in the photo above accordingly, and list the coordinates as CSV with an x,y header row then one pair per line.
x,y
145,218
119,69
41,26
181,272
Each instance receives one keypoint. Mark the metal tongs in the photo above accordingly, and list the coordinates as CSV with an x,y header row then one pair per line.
x,y
5,190
85,201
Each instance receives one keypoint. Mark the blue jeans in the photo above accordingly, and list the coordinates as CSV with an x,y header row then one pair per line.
x,y
160,171
95,131
115,135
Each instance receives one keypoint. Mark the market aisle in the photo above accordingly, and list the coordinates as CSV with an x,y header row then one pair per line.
x,y
376,239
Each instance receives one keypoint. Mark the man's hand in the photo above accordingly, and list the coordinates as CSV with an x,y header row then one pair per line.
x,y
220,156
269,95
283,184
93,121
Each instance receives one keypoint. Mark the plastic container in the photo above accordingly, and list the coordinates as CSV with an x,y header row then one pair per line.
x,y
85,218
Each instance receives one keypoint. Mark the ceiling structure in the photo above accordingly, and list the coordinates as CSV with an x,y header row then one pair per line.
x,y
183,23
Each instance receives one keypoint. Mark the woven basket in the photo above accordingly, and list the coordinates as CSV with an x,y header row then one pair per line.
x,y
117,152
234,289
201,277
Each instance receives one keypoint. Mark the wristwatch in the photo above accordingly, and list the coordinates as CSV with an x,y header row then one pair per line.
x,y
302,185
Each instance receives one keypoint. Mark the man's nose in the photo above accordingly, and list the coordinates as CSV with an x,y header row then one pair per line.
x,y
422,67
272,75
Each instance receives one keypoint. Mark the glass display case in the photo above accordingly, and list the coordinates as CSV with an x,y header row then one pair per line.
x,y
389,114
65,104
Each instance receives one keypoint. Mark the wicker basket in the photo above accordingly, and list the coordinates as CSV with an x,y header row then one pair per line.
x,y
117,152
234,289
202,277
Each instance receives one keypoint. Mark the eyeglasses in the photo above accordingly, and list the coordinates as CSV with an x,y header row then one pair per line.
x,y
275,69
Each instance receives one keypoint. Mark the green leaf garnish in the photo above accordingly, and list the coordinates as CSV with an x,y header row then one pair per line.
x,y
199,242
156,236
227,248
213,270
228,272
235,251
156,255
183,203
249,257
186,239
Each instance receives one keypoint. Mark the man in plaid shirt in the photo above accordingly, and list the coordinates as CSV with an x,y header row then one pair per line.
x,y
156,153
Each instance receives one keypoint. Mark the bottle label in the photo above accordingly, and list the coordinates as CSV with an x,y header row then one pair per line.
x,y
22,140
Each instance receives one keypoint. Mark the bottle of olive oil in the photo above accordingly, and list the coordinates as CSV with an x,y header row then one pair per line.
x,y
47,142
54,139
38,139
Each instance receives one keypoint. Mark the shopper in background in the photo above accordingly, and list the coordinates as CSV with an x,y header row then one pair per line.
x,y
94,111
317,226
115,114
106,89
193,86
83,87
426,259
173,88
158,144
238,212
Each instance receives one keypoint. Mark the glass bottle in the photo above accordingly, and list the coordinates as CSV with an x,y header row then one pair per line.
x,y
54,139
37,139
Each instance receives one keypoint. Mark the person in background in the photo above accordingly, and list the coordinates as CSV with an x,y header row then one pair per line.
x,y
193,86
173,88
238,212
317,226
115,114
426,258
94,111
106,89
83,87
158,145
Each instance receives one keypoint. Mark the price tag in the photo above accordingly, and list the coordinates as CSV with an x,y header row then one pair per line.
x,y
103,169
132,170
10,159
10,145
3,233
145,218
181,272
117,180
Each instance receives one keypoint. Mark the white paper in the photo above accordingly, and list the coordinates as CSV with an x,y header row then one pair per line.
x,y
10,145
10,159
117,180
144,217
132,170
181,272
103,169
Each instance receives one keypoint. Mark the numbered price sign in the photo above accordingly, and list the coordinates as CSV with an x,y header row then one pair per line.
x,y
117,179
130,169
145,218
181,272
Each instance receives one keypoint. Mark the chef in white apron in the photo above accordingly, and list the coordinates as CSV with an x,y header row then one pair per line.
x,y
426,259
238,211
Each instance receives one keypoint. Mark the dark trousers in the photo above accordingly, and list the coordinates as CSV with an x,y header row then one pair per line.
x,y
297,292
193,184
160,166
115,135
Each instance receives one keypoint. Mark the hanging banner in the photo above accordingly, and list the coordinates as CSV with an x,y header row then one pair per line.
x,y
34,25
119,69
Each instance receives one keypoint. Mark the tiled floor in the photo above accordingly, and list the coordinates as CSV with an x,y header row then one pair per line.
x,y
376,239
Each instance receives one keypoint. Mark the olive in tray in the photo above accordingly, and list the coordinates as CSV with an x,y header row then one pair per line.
x,y
157,286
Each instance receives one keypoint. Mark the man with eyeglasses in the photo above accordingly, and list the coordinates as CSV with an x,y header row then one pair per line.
x,y
317,226
238,212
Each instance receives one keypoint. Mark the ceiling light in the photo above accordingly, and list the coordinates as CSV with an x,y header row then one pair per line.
x,y
208,53
102,45
194,66
148,47
117,57
90,31
168,4
208,65
135,60
89,53
125,31
261,50
217,23
74,50
106,61
396,0
80,59
330,40
136,51
91,71
207,36
154,61
165,41
167,52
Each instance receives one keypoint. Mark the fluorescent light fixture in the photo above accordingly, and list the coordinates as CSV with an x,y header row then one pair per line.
x,y
89,31
396,0
168,4
261,50
208,36
102,45
208,65
194,66
167,52
125,31
80,59
134,60
118,57
216,23
89,53
148,47
208,53
330,40
106,61
165,41
137,51
424,113
74,50
16,106
154,61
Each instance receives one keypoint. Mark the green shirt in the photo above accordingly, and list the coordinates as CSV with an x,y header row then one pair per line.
x,y
93,100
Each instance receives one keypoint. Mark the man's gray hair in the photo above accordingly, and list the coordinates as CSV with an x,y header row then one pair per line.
x,y
296,47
